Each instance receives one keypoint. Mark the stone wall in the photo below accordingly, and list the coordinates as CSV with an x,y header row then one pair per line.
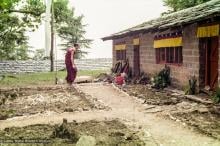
x,y
44,66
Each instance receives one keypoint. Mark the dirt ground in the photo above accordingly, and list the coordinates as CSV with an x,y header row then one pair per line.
x,y
30,101
206,123
105,133
33,101
136,113
106,113
152,96
203,118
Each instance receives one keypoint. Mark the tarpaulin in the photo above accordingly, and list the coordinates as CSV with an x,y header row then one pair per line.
x,y
136,41
120,47
208,31
168,42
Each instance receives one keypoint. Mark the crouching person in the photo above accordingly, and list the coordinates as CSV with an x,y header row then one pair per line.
x,y
120,79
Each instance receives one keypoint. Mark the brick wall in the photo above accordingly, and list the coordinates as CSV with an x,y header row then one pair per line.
x,y
130,51
180,74
191,58
147,54
116,42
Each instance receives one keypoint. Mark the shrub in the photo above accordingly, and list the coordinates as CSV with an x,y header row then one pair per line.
x,y
191,89
162,79
62,131
216,96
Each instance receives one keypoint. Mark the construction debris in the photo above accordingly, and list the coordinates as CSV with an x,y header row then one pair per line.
x,y
104,77
122,67
36,100
142,79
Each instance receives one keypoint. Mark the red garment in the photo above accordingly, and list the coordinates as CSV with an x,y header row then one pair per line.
x,y
71,71
119,80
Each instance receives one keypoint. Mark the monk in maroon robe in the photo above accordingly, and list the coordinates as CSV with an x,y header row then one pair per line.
x,y
70,65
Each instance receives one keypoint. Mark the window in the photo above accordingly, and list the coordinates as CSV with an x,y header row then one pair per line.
x,y
172,55
120,54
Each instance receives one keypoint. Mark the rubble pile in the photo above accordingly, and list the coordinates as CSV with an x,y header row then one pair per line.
x,y
39,100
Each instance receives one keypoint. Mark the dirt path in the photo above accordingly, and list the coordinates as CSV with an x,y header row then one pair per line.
x,y
164,132
127,109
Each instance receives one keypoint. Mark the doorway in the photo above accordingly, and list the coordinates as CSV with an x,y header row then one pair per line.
x,y
209,62
136,60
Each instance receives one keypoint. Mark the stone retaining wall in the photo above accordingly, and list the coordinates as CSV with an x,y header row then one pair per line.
x,y
44,66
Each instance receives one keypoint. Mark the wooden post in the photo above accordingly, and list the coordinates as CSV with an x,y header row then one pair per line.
x,y
52,39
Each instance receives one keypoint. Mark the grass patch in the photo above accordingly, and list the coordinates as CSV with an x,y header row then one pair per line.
x,y
45,78
4,114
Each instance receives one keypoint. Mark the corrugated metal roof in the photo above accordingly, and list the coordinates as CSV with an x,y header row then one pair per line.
x,y
186,16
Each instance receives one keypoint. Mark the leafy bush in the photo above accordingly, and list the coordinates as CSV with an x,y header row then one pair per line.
x,y
2,101
62,131
39,54
191,89
216,96
4,113
162,79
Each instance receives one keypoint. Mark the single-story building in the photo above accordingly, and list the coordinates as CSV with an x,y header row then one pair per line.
x,y
187,41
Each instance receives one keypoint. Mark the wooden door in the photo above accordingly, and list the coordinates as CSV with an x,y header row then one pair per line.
x,y
136,68
212,62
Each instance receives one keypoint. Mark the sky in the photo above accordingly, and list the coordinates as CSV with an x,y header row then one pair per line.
x,y
104,17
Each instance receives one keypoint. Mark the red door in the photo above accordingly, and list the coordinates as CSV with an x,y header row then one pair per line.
x,y
212,62
136,60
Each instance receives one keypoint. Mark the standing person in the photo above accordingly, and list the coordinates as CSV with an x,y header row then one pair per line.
x,y
70,65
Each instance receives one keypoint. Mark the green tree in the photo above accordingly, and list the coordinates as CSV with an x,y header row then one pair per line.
x,y
39,54
20,16
70,27
17,17
177,5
